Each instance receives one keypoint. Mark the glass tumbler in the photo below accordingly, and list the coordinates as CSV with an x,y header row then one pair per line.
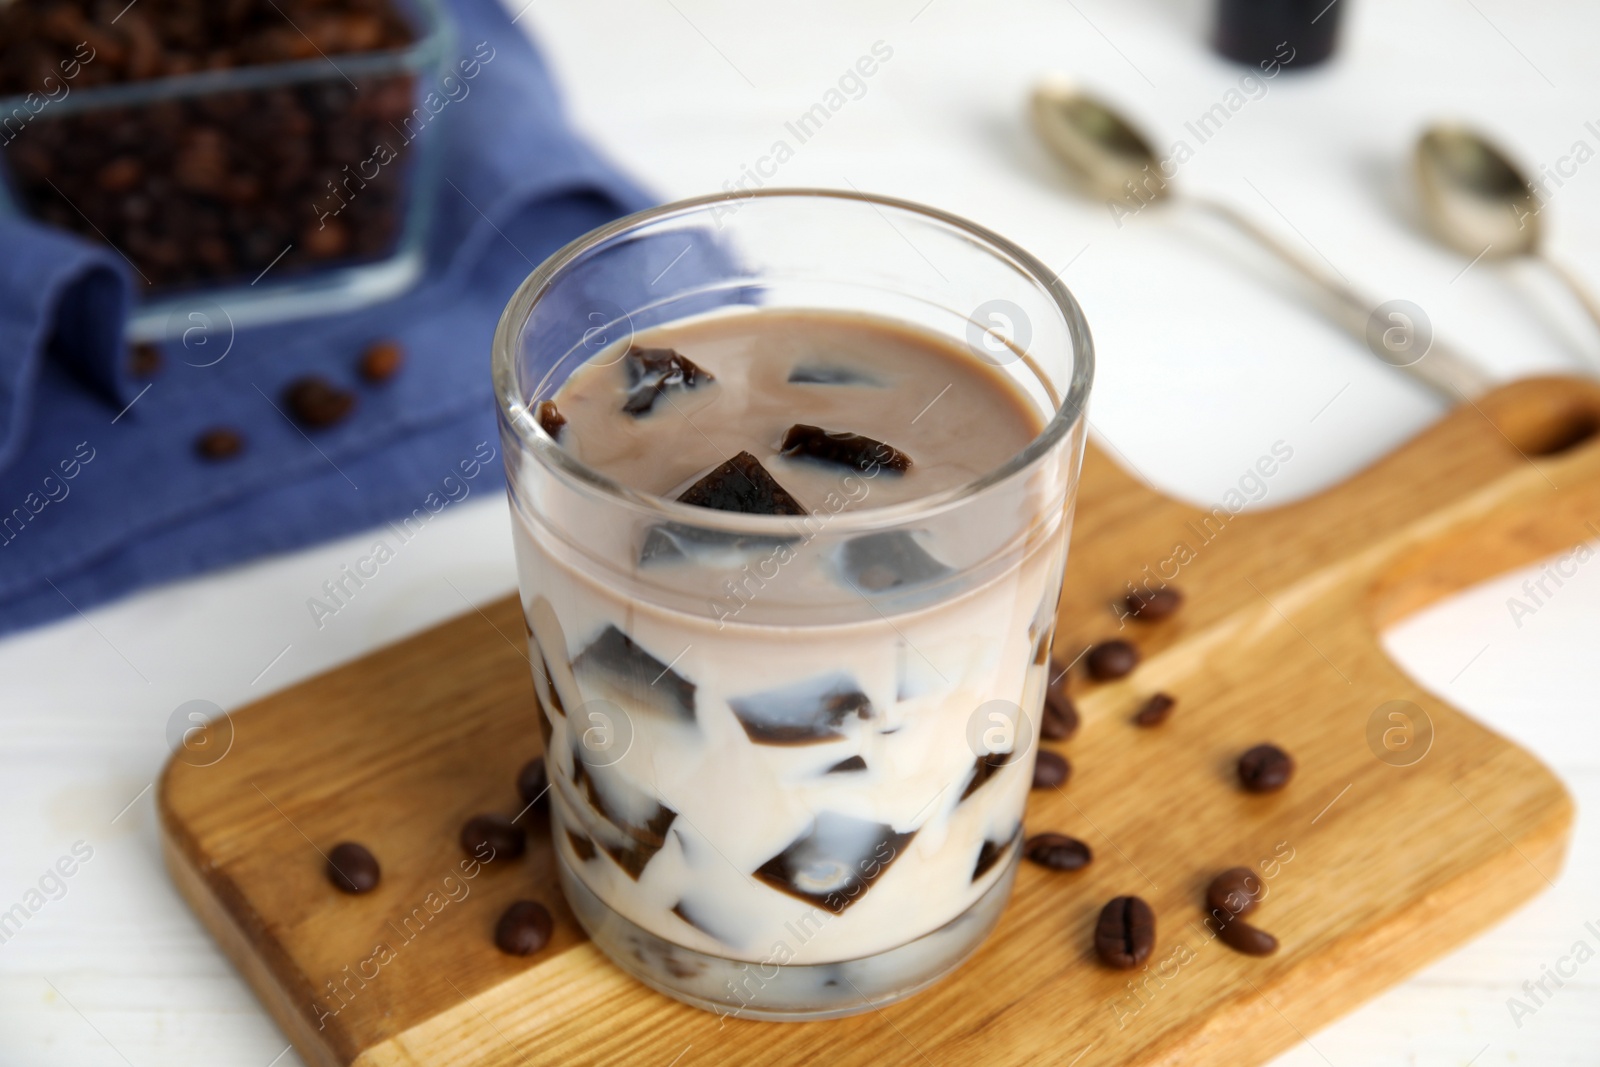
x,y
732,875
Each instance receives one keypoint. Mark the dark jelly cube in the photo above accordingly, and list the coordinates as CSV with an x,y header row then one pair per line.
x,y
742,484
652,371
876,563
672,541
823,374
629,809
582,847
848,766
986,767
843,449
992,853
637,675
550,419
804,713
835,862
710,920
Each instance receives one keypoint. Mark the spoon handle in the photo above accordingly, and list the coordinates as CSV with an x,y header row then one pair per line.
x,y
1449,373
1577,288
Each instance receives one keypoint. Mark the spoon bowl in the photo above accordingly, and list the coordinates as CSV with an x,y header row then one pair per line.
x,y
1473,197
1100,149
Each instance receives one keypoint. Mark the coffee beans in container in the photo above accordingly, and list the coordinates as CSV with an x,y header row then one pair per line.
x,y
193,148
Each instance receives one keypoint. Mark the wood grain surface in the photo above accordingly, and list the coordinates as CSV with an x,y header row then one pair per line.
x,y
1377,858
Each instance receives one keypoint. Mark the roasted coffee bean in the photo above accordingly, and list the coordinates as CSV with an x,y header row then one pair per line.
x,y
317,403
1110,660
1153,606
524,928
1242,937
351,868
144,361
1265,769
1060,719
381,361
1125,933
533,780
483,833
1057,852
1050,769
326,239
1235,892
219,443
1154,712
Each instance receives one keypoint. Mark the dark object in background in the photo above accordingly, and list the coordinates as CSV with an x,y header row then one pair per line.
x,y
198,185
1269,34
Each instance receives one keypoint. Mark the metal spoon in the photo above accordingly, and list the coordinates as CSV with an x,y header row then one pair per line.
x,y
1110,157
1479,203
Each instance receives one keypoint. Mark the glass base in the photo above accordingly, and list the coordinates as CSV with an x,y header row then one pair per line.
x,y
787,992
333,291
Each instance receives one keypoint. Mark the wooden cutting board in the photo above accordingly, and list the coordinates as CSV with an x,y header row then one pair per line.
x,y
1386,850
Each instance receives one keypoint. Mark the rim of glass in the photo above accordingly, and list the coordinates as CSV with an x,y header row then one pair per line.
x,y
508,393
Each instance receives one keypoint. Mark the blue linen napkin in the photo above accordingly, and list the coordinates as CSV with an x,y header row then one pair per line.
x,y
101,490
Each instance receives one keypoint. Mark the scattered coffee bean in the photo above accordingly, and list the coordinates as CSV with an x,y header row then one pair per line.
x,y
1057,852
1235,892
1154,711
550,419
381,361
524,928
1050,769
351,868
317,403
144,361
1265,769
533,780
1125,933
219,443
1153,606
1242,937
1110,660
1060,719
484,832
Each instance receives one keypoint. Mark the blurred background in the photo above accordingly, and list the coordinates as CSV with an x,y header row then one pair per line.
x,y
1208,353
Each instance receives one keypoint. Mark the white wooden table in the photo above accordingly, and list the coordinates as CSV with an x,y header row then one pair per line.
x,y
1193,347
